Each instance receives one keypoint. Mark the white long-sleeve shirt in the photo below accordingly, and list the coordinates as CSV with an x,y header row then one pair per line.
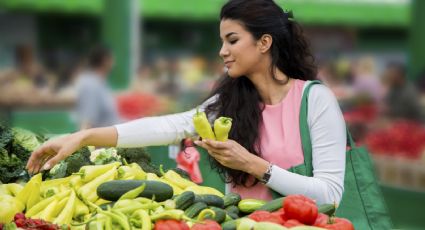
x,y
328,137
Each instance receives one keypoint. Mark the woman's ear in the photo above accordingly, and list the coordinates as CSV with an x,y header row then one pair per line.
x,y
265,42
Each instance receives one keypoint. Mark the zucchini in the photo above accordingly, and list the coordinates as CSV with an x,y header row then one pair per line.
x,y
328,209
273,205
184,200
233,211
220,215
113,190
211,200
195,209
250,205
229,225
231,199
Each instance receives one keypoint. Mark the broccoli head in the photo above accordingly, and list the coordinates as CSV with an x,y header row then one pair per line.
x,y
77,160
134,155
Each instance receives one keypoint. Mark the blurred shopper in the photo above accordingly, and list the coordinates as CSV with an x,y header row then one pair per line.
x,y
96,106
366,83
402,98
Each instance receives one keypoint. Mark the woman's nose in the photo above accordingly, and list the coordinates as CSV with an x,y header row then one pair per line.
x,y
223,51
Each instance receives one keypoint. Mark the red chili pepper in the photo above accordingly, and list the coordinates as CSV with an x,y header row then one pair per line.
x,y
301,208
206,225
170,225
267,217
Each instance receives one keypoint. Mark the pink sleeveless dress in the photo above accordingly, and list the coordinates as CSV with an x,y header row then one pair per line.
x,y
279,137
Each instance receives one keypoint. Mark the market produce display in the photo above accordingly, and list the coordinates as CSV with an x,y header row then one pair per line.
x,y
119,189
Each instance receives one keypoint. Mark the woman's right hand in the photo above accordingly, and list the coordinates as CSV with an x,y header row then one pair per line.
x,y
53,151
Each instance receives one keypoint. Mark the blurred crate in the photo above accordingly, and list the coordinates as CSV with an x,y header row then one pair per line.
x,y
400,172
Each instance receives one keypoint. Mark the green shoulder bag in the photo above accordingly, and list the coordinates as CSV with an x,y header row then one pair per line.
x,y
362,201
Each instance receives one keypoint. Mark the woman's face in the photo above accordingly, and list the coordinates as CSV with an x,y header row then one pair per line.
x,y
240,51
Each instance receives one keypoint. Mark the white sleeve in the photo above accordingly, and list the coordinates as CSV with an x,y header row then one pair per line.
x,y
160,130
328,137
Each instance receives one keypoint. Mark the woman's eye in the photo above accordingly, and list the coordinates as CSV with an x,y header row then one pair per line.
x,y
233,41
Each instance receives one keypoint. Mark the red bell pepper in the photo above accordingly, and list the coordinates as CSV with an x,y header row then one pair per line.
x,y
333,223
206,225
301,208
321,220
292,223
267,217
170,225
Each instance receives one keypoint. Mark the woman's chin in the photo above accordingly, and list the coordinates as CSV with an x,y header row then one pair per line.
x,y
233,74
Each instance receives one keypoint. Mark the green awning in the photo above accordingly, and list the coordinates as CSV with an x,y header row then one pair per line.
x,y
317,12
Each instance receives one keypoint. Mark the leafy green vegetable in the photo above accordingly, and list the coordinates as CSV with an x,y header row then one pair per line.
x,y
13,157
25,138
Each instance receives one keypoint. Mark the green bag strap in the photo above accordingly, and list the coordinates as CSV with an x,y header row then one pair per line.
x,y
305,131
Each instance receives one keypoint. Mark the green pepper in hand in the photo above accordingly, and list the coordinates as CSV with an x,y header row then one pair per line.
x,y
222,127
202,125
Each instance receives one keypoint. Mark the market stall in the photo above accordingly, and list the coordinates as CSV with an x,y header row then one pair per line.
x,y
116,188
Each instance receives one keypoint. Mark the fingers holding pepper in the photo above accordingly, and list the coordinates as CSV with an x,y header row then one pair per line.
x,y
230,153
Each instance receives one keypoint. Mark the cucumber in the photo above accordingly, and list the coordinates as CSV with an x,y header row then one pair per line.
x,y
328,209
211,200
113,190
184,200
197,198
250,205
273,205
233,211
220,214
195,209
231,199
229,225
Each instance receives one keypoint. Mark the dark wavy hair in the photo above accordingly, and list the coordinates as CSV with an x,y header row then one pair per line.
x,y
238,98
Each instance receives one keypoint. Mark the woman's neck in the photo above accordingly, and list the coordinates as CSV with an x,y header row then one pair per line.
x,y
271,92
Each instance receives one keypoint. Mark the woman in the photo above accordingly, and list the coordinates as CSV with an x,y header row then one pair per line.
x,y
269,65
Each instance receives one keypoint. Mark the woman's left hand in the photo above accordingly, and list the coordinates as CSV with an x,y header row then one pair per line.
x,y
230,154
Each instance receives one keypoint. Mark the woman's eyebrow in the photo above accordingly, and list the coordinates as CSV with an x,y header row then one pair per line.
x,y
228,35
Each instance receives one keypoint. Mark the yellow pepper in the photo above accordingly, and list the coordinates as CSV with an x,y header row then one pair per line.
x,y
174,177
44,203
139,173
47,214
222,126
53,183
80,209
66,214
13,188
88,191
204,190
202,125
34,197
28,189
142,218
90,172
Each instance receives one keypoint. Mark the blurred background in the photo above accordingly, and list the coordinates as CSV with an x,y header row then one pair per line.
x,y
161,57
